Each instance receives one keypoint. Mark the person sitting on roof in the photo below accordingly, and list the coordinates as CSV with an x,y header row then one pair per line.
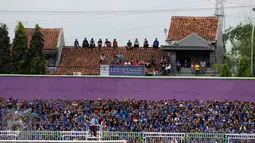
x,y
92,43
76,43
136,43
107,43
129,44
127,63
99,43
85,43
115,43
155,43
145,44
102,59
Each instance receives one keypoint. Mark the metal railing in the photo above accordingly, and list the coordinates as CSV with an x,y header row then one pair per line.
x,y
131,137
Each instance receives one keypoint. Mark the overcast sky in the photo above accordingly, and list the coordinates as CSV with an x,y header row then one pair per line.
x,y
122,26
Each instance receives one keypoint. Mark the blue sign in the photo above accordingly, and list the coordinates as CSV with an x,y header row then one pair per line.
x,y
116,70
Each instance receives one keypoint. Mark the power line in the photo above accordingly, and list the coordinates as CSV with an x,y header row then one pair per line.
x,y
98,16
108,12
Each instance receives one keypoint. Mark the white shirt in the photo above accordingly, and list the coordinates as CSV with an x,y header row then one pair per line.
x,y
136,42
102,57
174,141
93,122
203,64
168,67
127,63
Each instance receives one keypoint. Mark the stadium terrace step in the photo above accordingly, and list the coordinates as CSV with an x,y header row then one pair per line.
x,y
187,72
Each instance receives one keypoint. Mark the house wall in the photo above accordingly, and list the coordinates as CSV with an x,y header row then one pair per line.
x,y
52,60
193,40
212,58
173,61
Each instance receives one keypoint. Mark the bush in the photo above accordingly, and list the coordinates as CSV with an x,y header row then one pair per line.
x,y
244,68
224,70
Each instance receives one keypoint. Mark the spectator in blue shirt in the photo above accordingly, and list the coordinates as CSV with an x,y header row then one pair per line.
x,y
156,43
92,43
76,43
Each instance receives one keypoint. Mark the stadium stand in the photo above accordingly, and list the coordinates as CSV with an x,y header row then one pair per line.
x,y
87,60
130,115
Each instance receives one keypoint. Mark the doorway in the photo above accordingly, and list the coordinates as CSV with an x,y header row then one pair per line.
x,y
192,56
185,61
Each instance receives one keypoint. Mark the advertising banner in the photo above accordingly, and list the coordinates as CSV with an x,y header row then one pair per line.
x,y
117,70
104,70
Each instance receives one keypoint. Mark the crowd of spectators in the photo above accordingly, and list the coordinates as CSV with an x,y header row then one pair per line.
x,y
114,44
165,65
137,115
149,64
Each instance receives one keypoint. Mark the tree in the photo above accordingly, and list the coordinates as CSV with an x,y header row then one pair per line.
x,y
5,57
224,70
20,51
240,39
37,59
244,68
232,61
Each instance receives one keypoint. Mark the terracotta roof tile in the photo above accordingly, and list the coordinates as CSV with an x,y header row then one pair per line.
x,y
182,26
86,60
50,37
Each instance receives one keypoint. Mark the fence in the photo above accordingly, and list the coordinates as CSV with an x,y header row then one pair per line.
x,y
120,137
62,141
241,138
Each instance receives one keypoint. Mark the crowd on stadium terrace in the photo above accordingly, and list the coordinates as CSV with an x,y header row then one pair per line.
x,y
114,44
137,115
150,64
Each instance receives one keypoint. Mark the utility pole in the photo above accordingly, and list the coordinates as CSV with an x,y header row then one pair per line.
x,y
166,36
219,12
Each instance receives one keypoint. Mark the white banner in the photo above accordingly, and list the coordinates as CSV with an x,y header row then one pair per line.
x,y
104,70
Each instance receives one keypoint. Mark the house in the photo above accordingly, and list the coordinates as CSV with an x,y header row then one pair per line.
x,y
53,45
193,39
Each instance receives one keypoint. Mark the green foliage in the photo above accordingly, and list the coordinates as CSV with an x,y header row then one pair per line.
x,y
5,57
224,70
232,61
37,59
244,68
20,51
37,66
240,39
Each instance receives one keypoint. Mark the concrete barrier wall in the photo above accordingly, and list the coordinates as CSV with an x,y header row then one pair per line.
x,y
73,88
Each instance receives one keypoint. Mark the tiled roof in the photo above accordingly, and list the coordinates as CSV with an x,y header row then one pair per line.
x,y
182,26
86,60
50,37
